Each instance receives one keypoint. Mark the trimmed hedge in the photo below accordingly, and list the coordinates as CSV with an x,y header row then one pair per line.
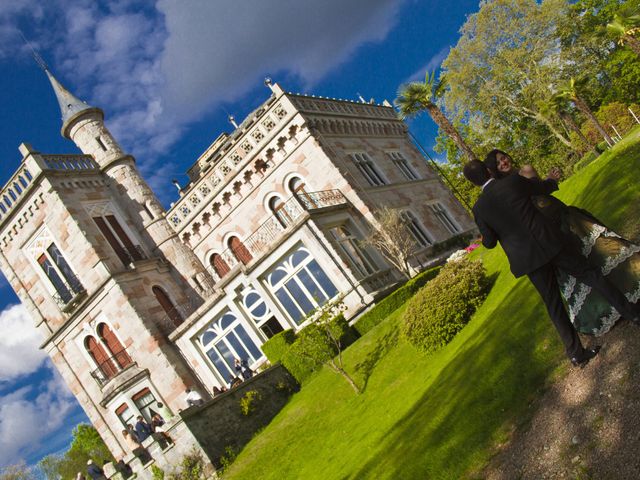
x,y
277,346
444,306
589,157
393,301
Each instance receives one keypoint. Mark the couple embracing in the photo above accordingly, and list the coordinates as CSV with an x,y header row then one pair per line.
x,y
586,275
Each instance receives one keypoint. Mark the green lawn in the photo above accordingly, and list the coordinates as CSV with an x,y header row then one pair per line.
x,y
439,416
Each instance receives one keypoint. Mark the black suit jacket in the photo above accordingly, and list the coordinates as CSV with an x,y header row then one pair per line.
x,y
505,212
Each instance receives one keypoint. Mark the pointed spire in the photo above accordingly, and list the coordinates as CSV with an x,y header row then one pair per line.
x,y
70,105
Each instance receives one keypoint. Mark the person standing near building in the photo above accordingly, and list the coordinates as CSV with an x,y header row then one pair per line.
x,y
94,471
143,429
194,398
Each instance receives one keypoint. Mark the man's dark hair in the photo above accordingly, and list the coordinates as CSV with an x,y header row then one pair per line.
x,y
476,172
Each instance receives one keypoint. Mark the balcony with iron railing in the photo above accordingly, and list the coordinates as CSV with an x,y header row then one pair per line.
x,y
111,367
69,294
269,232
134,253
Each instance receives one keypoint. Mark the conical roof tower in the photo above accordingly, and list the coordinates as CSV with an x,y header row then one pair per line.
x,y
71,107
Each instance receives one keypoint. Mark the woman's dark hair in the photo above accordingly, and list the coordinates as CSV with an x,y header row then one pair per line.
x,y
491,161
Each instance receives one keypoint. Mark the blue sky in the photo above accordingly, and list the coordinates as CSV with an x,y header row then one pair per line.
x,y
166,73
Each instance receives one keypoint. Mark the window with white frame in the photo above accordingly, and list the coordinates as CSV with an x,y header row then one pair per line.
x,y
59,273
145,401
403,165
368,169
226,339
416,229
357,258
445,218
126,415
260,313
300,284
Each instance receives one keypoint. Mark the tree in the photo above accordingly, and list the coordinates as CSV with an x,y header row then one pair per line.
x,y
416,97
50,465
624,27
561,106
321,342
17,471
392,239
86,444
570,91
502,66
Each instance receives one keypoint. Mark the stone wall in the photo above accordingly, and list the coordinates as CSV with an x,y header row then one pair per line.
x,y
220,423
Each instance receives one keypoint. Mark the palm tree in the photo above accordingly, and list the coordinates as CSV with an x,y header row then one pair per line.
x,y
625,25
416,97
569,91
560,105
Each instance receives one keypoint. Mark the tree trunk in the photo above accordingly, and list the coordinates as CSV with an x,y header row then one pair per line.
x,y
345,375
451,131
571,123
584,108
541,118
633,43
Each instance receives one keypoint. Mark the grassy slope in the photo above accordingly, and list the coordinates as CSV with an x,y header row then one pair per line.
x,y
438,416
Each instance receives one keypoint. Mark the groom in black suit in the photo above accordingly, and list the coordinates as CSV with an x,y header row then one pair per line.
x,y
534,246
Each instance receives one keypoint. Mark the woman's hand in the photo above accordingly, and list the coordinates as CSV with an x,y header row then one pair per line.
x,y
555,174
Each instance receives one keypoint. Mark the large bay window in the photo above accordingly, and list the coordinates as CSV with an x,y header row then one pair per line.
x,y
300,284
227,339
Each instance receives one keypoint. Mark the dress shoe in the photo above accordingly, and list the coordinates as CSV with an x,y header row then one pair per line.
x,y
587,354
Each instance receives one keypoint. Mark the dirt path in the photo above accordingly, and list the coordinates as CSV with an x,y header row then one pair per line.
x,y
587,425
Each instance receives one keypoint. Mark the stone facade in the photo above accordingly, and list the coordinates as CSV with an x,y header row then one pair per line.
x,y
137,304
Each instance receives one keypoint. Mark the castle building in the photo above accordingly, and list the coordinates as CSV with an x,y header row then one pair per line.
x,y
137,303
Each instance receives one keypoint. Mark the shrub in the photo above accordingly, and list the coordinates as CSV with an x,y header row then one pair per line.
x,y
445,305
227,459
249,402
312,348
589,157
157,473
275,348
393,301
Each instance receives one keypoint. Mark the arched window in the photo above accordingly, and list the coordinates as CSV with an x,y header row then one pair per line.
x,y
227,339
300,284
168,306
277,207
239,250
100,357
299,190
219,265
113,345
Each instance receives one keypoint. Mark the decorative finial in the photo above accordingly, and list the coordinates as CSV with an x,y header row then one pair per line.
x,y
232,121
176,184
36,56
267,81
361,98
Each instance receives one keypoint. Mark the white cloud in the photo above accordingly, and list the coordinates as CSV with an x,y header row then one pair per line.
x,y
156,69
19,342
432,64
28,416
